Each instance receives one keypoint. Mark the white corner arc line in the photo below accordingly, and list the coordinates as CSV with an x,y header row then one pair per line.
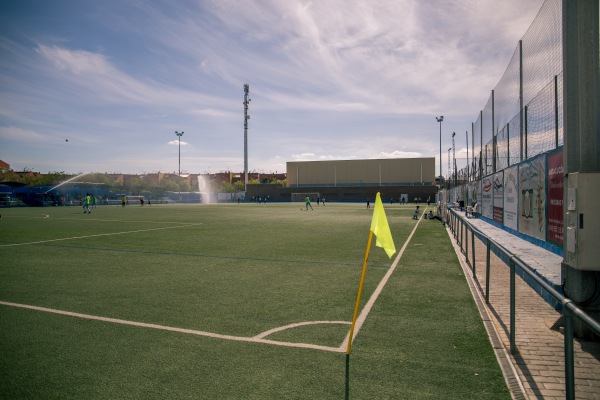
x,y
100,234
296,325
174,329
367,308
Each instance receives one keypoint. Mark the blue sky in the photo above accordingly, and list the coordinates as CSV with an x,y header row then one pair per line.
x,y
329,79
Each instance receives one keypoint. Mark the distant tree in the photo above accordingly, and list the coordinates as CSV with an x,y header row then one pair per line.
x,y
28,178
134,185
227,187
239,186
54,177
33,179
104,178
169,185
8,175
282,182
185,186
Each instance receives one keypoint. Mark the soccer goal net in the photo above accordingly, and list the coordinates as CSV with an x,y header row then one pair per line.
x,y
300,197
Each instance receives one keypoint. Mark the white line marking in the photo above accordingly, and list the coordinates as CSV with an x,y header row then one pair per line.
x,y
82,218
178,330
296,325
100,234
367,308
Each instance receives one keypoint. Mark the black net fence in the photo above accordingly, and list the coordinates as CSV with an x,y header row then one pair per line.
x,y
523,116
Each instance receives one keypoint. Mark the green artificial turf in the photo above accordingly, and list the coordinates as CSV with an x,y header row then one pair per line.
x,y
236,270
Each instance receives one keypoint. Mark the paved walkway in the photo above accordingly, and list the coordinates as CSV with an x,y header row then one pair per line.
x,y
537,369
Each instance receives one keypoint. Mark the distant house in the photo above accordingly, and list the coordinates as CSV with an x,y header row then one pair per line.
x,y
4,166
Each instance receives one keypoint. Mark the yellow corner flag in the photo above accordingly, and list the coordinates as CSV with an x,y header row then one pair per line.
x,y
381,229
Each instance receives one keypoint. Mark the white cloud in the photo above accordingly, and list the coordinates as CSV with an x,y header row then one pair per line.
x,y
399,154
177,143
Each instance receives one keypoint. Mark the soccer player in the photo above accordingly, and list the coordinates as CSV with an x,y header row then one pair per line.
x,y
307,201
86,204
416,213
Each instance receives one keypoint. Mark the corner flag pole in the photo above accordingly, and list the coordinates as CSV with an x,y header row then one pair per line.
x,y
360,287
356,307
381,229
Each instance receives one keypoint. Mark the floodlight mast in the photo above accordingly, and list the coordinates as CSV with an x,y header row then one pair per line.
x,y
448,173
468,176
454,158
440,119
246,118
179,134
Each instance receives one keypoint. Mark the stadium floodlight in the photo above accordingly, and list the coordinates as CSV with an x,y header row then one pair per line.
x,y
179,135
440,119
449,176
454,159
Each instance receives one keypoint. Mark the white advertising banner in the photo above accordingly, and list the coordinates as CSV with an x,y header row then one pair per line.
x,y
499,197
532,203
473,186
511,198
487,197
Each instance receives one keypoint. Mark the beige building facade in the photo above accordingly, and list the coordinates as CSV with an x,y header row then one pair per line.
x,y
375,172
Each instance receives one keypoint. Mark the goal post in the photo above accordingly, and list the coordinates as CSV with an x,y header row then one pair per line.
x,y
300,197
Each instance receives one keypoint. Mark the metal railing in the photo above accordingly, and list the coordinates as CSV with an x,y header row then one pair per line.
x,y
460,228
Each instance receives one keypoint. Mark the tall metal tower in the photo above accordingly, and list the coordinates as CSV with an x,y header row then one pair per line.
x,y
246,118
440,119
449,172
454,158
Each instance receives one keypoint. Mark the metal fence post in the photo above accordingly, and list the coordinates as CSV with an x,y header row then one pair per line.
x,y
462,229
473,249
487,271
467,244
569,353
513,347
454,225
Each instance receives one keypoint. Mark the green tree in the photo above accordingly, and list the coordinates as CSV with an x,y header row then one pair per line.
x,y
169,185
184,186
227,187
239,186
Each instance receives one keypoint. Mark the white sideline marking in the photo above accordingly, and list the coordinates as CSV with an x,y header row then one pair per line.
x,y
89,219
367,308
100,234
256,339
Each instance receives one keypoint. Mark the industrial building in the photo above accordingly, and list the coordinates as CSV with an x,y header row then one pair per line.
x,y
356,180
